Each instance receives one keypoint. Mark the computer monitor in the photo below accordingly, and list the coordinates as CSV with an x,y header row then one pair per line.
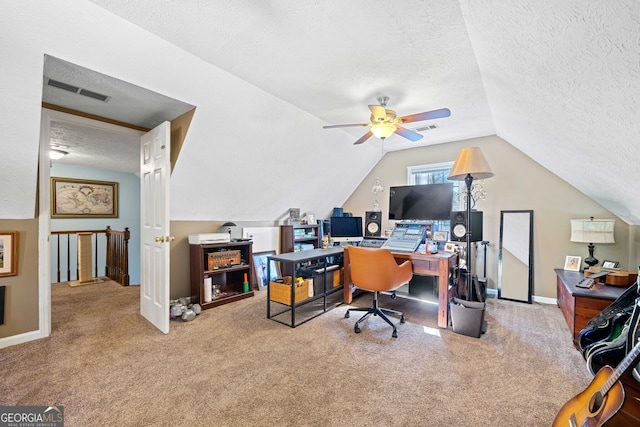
x,y
346,229
430,202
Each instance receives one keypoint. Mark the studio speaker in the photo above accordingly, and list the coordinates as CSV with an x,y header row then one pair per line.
x,y
459,226
373,224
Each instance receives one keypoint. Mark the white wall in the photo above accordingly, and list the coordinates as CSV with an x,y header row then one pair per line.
x,y
128,216
247,154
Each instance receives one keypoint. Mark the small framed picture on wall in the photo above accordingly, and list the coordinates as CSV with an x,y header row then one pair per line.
x,y
8,253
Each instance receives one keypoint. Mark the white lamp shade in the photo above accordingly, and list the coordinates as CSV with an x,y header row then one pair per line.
x,y
470,161
592,230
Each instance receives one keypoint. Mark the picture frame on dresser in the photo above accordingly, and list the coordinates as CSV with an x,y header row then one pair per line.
x,y
260,269
610,264
572,263
449,247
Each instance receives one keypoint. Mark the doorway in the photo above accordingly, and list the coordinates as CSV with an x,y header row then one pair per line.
x,y
144,103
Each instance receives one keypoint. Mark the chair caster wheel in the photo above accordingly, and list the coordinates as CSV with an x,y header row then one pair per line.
x,y
356,329
346,315
402,319
394,334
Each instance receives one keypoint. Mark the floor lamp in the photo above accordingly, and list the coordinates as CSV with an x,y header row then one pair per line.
x,y
469,165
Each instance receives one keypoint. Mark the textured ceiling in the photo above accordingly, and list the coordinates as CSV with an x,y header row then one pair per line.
x,y
558,80
94,147
333,58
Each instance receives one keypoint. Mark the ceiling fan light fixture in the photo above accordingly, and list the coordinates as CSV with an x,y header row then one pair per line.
x,y
383,130
384,122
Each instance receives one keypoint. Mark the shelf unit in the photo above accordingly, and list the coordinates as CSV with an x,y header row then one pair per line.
x,y
293,236
229,278
326,296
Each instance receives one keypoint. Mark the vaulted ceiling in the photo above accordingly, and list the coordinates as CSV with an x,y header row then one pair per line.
x,y
560,80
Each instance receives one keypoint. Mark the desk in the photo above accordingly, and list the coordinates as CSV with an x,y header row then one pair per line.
x,y
579,305
439,264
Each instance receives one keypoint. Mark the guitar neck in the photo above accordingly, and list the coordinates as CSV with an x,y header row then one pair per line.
x,y
620,369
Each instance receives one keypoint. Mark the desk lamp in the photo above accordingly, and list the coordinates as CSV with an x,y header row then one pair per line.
x,y
592,231
469,165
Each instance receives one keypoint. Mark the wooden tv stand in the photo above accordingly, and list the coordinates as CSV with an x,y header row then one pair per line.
x,y
439,265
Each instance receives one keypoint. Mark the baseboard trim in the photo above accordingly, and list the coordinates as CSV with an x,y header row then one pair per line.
x,y
20,339
545,300
542,300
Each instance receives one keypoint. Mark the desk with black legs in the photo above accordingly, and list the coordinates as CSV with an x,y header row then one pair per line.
x,y
439,265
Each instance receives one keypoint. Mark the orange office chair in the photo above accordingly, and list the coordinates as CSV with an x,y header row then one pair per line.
x,y
375,270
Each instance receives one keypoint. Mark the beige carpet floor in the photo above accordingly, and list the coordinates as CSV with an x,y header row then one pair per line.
x,y
234,367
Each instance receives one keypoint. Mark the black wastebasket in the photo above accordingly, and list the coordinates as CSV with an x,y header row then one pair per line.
x,y
467,317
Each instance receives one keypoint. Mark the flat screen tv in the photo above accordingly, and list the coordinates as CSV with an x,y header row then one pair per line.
x,y
346,228
429,202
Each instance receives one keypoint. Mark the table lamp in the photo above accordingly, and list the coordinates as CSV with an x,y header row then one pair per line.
x,y
592,231
469,165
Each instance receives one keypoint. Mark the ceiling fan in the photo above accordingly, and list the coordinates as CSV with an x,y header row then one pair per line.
x,y
384,122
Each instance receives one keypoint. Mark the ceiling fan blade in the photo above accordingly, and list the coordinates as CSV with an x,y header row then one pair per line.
x,y
409,134
378,112
344,126
364,138
427,115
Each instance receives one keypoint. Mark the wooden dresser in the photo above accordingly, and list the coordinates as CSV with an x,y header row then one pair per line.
x,y
580,305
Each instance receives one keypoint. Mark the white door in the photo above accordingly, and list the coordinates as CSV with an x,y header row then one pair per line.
x,y
154,260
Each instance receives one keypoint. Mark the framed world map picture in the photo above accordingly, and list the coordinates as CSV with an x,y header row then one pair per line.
x,y
82,198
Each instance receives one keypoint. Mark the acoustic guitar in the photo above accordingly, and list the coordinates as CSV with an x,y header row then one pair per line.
x,y
614,276
606,401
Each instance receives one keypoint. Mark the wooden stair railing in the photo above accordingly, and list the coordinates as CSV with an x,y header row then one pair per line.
x,y
117,267
116,253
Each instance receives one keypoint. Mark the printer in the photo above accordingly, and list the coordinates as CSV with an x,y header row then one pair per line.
x,y
206,238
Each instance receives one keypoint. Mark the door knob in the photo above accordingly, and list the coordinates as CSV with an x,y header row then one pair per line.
x,y
160,239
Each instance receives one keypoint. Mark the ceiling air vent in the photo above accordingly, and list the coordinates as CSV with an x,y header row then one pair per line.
x,y
78,90
64,86
427,127
94,95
